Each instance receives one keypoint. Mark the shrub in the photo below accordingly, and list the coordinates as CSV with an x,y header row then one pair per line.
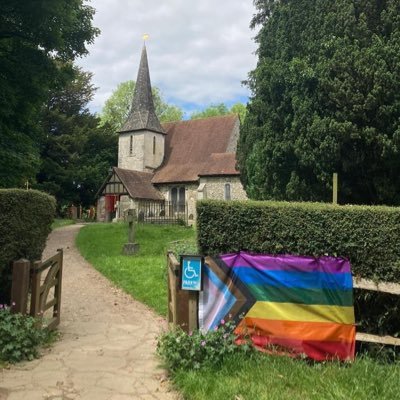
x,y
25,222
181,350
20,336
369,236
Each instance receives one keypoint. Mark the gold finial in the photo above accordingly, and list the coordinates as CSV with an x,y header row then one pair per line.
x,y
145,36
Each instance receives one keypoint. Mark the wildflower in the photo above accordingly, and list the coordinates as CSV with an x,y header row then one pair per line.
x,y
13,303
222,322
1,306
226,335
190,333
203,343
215,328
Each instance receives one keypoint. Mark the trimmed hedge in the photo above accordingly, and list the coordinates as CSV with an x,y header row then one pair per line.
x,y
368,235
25,222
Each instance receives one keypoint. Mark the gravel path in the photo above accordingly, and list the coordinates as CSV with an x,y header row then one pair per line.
x,y
106,350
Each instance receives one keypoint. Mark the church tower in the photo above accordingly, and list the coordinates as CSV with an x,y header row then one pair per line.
x,y
141,139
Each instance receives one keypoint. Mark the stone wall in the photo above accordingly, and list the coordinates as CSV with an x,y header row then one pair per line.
x,y
126,158
153,160
214,188
142,157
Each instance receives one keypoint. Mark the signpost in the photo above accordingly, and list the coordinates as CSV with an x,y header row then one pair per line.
x,y
192,281
192,270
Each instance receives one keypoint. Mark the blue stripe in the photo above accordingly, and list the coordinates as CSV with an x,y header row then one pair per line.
x,y
295,279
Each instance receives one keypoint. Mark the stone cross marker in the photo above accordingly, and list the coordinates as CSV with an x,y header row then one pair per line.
x,y
131,247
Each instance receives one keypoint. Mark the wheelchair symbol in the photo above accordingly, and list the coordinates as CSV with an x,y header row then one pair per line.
x,y
190,273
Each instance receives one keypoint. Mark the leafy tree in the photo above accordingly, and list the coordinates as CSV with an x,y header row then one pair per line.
x,y
116,108
325,98
76,153
33,36
211,111
220,109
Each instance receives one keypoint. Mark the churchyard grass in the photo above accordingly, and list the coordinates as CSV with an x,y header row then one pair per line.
x,y
142,275
58,223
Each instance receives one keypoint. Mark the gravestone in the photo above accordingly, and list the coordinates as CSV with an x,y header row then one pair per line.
x,y
131,247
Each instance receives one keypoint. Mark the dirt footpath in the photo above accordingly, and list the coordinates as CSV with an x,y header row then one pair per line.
x,y
107,345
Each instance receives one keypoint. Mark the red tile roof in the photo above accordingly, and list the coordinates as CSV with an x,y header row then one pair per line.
x,y
191,146
220,164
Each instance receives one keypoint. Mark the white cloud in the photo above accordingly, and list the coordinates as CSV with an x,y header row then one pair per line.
x,y
199,51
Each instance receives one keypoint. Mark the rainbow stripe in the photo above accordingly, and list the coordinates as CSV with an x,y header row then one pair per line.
x,y
304,304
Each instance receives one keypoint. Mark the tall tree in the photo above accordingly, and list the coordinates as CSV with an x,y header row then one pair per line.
x,y
116,108
325,98
34,35
76,153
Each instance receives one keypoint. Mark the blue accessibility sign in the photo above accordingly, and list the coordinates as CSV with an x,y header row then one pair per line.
x,y
192,270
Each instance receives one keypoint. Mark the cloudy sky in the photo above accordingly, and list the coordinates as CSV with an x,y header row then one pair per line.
x,y
199,50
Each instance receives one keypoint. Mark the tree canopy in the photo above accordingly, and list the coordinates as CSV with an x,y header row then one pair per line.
x,y
325,98
220,109
117,107
76,153
35,36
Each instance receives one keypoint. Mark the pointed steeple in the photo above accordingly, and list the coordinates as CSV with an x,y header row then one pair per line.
x,y
142,115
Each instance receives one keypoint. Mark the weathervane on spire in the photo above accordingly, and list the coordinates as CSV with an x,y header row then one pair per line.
x,y
145,36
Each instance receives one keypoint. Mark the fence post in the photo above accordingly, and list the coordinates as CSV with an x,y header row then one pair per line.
x,y
20,286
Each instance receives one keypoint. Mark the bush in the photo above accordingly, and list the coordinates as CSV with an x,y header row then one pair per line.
x,y
25,222
20,336
181,350
369,236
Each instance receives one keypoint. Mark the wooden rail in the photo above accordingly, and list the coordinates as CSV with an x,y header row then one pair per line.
x,y
382,287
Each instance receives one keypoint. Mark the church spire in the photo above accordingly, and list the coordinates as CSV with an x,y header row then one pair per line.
x,y
142,115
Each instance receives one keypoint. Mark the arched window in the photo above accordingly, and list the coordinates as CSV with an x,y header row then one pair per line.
x,y
227,193
154,145
130,145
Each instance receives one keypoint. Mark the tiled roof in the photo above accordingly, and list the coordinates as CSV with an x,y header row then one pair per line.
x,y
190,146
220,164
142,114
138,184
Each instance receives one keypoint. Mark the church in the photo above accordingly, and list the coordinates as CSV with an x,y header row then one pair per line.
x,y
163,169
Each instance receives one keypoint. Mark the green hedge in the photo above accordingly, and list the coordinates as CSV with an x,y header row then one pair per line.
x,y
25,222
369,236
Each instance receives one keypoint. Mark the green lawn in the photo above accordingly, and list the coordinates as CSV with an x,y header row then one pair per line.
x,y
264,377
258,377
58,223
142,275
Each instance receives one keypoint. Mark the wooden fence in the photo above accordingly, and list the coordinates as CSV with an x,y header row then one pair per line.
x,y
183,305
39,279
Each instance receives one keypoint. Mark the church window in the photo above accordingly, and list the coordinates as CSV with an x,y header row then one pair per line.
x,y
131,145
227,193
154,145
178,198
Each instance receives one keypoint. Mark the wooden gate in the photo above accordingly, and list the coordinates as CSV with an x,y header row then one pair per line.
x,y
40,279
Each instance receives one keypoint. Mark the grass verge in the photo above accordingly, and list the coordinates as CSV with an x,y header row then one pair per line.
x,y
265,377
58,223
142,275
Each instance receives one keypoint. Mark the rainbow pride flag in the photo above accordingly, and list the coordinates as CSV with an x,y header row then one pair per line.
x,y
303,305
